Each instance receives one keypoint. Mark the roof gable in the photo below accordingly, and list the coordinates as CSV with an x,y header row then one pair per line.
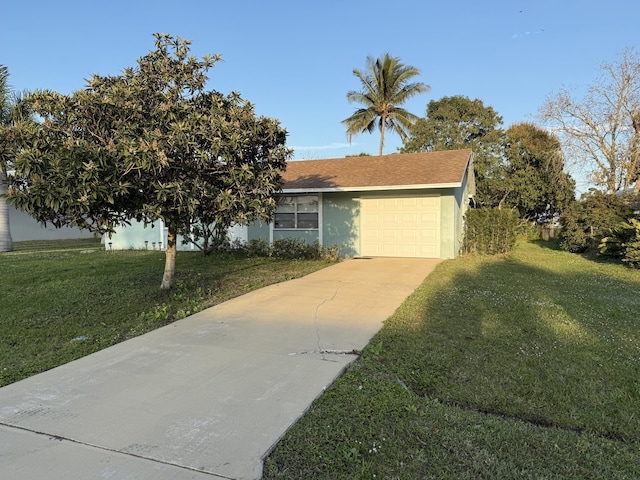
x,y
401,170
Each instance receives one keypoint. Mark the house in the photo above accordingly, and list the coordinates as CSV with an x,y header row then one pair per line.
x,y
399,205
24,227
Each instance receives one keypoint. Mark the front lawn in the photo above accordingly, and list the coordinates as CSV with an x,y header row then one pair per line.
x,y
65,299
525,366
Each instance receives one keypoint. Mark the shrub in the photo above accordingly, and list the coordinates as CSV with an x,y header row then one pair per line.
x,y
293,248
297,248
289,248
491,230
623,243
632,252
587,221
573,237
330,254
253,248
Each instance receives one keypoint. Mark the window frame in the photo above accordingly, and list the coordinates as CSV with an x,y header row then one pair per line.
x,y
299,212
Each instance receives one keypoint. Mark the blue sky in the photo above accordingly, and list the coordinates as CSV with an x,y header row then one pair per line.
x,y
294,59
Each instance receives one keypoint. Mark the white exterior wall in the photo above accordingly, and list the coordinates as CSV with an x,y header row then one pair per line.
x,y
134,236
24,228
239,233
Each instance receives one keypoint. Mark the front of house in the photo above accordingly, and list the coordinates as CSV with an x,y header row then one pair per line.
x,y
24,227
399,205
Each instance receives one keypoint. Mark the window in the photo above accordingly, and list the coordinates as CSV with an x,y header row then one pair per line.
x,y
297,213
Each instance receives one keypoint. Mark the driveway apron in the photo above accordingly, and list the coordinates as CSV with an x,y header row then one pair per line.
x,y
208,396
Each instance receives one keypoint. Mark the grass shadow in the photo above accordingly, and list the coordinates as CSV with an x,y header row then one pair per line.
x,y
495,367
550,342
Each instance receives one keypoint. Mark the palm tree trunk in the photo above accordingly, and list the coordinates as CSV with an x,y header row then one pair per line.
x,y
6,243
170,259
382,124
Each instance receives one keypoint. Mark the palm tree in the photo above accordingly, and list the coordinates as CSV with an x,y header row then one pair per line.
x,y
6,242
12,108
386,86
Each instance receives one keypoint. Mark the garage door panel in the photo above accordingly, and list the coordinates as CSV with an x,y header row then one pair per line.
x,y
429,233
428,252
432,201
407,251
428,218
401,226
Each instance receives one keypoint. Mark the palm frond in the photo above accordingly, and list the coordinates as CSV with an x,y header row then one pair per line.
x,y
385,86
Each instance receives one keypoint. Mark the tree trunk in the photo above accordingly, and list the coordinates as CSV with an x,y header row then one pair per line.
x,y
6,243
170,259
635,151
382,123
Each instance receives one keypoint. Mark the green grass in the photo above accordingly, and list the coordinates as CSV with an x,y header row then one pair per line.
x,y
517,367
65,299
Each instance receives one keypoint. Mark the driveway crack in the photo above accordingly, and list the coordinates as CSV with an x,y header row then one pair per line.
x,y
60,438
315,319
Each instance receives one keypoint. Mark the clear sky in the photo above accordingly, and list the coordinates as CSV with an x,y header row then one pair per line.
x,y
294,59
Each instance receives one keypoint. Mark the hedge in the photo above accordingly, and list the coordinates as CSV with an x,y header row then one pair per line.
x,y
491,230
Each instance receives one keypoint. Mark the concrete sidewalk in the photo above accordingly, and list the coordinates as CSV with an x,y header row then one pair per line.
x,y
205,397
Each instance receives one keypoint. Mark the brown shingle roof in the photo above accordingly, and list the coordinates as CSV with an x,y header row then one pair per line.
x,y
402,169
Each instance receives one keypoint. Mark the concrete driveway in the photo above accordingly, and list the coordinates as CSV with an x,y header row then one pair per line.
x,y
206,397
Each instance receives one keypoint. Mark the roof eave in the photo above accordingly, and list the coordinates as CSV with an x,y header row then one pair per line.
x,y
371,188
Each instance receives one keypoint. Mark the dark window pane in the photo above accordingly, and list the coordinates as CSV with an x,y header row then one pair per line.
x,y
307,220
285,220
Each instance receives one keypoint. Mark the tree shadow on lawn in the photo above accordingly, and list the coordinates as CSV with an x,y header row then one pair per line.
x,y
551,344
551,244
590,254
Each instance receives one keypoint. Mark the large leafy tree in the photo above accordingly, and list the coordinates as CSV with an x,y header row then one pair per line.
x,y
458,122
386,85
601,131
149,144
535,181
12,109
452,123
521,167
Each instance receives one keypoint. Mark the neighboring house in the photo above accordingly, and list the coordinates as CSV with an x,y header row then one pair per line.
x,y
400,205
154,237
24,227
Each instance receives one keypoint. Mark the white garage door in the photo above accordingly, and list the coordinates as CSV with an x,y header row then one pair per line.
x,y
400,227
